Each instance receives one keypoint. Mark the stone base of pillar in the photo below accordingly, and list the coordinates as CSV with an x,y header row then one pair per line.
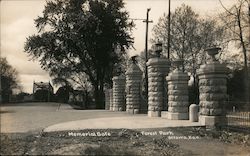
x,y
178,116
136,111
154,113
174,116
212,121
117,109
164,114
130,111
133,111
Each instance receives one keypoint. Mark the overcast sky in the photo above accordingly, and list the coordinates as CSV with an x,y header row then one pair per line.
x,y
17,23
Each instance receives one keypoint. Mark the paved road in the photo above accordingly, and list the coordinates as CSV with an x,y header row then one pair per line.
x,y
37,116
56,117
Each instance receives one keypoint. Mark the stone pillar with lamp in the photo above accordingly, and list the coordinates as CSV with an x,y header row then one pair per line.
x,y
158,68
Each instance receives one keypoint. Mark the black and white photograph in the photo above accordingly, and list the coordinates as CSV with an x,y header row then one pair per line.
x,y
125,77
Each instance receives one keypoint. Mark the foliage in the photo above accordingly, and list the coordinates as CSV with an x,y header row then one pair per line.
x,y
20,97
62,94
81,36
236,88
43,95
9,79
189,36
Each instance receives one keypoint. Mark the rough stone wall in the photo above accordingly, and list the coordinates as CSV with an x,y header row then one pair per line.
x,y
212,88
158,68
178,92
119,93
133,87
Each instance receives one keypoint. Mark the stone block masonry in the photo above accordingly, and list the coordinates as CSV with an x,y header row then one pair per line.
x,y
118,93
177,95
158,68
213,90
133,87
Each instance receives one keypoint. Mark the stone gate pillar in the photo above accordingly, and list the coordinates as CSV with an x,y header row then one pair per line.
x,y
177,93
119,93
213,90
133,87
158,68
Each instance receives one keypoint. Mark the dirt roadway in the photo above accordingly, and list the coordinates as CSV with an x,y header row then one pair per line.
x,y
163,141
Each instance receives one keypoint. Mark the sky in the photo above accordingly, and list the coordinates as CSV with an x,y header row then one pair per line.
x,y
17,23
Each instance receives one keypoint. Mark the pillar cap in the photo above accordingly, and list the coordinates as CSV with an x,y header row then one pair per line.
x,y
177,75
120,77
212,52
158,61
177,63
133,69
213,68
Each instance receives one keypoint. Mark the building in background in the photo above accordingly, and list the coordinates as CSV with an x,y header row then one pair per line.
x,y
42,91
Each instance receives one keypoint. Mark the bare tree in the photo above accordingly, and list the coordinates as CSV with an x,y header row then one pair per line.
x,y
189,36
236,22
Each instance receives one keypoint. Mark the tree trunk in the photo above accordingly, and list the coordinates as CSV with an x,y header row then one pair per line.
x,y
245,60
99,97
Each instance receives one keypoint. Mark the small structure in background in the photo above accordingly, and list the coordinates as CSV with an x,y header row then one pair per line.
x,y
42,86
42,91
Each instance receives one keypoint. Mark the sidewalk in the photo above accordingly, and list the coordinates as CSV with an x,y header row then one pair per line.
x,y
129,122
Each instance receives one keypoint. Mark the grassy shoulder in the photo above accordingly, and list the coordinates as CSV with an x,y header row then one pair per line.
x,y
159,141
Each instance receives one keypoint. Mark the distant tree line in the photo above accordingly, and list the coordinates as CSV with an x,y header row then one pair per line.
x,y
9,80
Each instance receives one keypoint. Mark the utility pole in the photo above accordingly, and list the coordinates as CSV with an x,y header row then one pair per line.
x,y
0,88
48,91
146,48
146,53
169,29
